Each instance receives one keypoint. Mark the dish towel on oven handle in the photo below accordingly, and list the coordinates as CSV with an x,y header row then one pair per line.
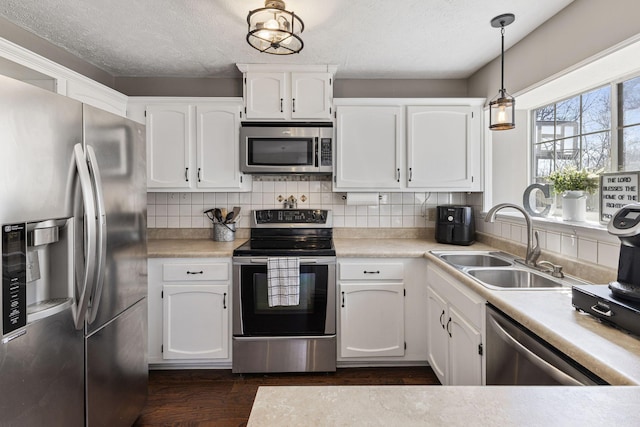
x,y
283,281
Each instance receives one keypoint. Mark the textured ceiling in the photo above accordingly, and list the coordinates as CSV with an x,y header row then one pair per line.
x,y
205,38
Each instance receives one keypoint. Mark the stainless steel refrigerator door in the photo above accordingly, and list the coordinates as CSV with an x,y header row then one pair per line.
x,y
42,375
117,369
38,130
119,146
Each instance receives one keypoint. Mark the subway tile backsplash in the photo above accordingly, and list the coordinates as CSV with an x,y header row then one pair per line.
x,y
396,210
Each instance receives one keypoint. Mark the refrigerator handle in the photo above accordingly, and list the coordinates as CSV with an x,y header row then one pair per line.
x,y
101,245
81,303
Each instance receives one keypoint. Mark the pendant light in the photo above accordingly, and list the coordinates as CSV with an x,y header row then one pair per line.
x,y
274,30
502,107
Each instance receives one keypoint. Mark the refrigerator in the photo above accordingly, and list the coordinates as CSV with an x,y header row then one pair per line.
x,y
73,348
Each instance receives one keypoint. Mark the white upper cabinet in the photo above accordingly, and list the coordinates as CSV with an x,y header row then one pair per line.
x,y
369,140
218,147
192,144
443,147
287,92
168,146
408,144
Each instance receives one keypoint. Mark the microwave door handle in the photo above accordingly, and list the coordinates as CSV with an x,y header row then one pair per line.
x,y
316,150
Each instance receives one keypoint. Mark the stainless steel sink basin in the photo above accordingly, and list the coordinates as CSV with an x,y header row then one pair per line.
x,y
512,278
475,260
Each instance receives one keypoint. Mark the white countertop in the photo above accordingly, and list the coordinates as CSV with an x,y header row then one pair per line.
x,y
445,406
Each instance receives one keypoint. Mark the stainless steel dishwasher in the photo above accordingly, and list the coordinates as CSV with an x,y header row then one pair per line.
x,y
515,356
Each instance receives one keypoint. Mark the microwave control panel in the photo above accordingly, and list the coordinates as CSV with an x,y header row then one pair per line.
x,y
14,276
325,152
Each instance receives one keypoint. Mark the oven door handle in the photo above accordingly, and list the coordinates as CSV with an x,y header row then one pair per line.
x,y
302,261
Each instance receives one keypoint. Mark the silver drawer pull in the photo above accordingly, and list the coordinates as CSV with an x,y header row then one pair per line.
x,y
371,272
597,308
195,272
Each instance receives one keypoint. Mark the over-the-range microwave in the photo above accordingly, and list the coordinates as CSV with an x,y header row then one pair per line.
x,y
286,147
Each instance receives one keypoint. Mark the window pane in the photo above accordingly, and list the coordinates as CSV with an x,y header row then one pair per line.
x,y
631,148
545,123
568,153
630,100
596,110
543,159
596,151
568,118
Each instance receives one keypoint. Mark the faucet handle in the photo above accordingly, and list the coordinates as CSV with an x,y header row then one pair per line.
x,y
554,269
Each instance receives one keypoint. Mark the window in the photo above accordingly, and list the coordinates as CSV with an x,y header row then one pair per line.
x,y
575,132
629,125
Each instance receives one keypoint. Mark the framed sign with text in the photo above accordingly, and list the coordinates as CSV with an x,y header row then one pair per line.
x,y
617,189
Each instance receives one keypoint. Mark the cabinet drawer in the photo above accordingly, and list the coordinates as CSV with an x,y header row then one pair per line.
x,y
195,272
371,271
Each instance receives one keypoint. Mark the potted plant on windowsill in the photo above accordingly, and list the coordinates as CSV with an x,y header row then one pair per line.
x,y
574,184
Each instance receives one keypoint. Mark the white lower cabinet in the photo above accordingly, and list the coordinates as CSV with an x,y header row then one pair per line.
x,y
455,325
189,311
381,317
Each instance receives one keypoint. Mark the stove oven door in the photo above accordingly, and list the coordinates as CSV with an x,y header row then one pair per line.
x,y
313,316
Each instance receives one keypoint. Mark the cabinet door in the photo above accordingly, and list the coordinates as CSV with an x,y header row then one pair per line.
x,y
371,319
265,95
195,321
438,338
442,147
465,367
217,147
368,143
311,95
169,136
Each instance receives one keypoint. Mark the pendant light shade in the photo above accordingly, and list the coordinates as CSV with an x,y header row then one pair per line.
x,y
274,30
502,107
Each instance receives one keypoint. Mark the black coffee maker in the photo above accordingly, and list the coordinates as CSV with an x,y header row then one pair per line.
x,y
626,225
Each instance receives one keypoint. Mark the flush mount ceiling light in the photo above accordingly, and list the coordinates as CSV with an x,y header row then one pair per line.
x,y
502,107
274,30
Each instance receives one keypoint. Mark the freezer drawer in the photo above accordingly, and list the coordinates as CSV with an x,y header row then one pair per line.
x,y
117,372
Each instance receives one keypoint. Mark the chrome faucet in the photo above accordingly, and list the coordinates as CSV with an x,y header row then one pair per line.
x,y
533,252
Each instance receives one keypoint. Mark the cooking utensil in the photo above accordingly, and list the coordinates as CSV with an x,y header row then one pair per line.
x,y
223,211
228,218
209,213
236,213
217,214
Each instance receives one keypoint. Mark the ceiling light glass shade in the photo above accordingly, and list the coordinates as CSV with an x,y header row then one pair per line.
x,y
274,30
502,111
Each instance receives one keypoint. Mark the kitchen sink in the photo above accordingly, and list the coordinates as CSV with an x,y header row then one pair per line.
x,y
513,278
501,271
475,259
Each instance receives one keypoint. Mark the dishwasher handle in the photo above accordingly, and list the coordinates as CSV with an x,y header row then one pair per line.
x,y
534,358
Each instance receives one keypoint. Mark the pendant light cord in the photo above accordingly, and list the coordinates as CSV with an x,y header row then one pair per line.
x,y
502,68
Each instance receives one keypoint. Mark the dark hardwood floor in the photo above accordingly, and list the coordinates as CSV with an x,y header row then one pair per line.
x,y
199,398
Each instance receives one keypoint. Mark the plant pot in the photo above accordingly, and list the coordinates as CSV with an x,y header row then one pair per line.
x,y
574,205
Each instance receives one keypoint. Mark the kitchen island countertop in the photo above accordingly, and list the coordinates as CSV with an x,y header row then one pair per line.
x,y
445,406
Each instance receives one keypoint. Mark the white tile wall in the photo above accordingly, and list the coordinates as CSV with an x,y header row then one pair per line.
x,y
402,210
